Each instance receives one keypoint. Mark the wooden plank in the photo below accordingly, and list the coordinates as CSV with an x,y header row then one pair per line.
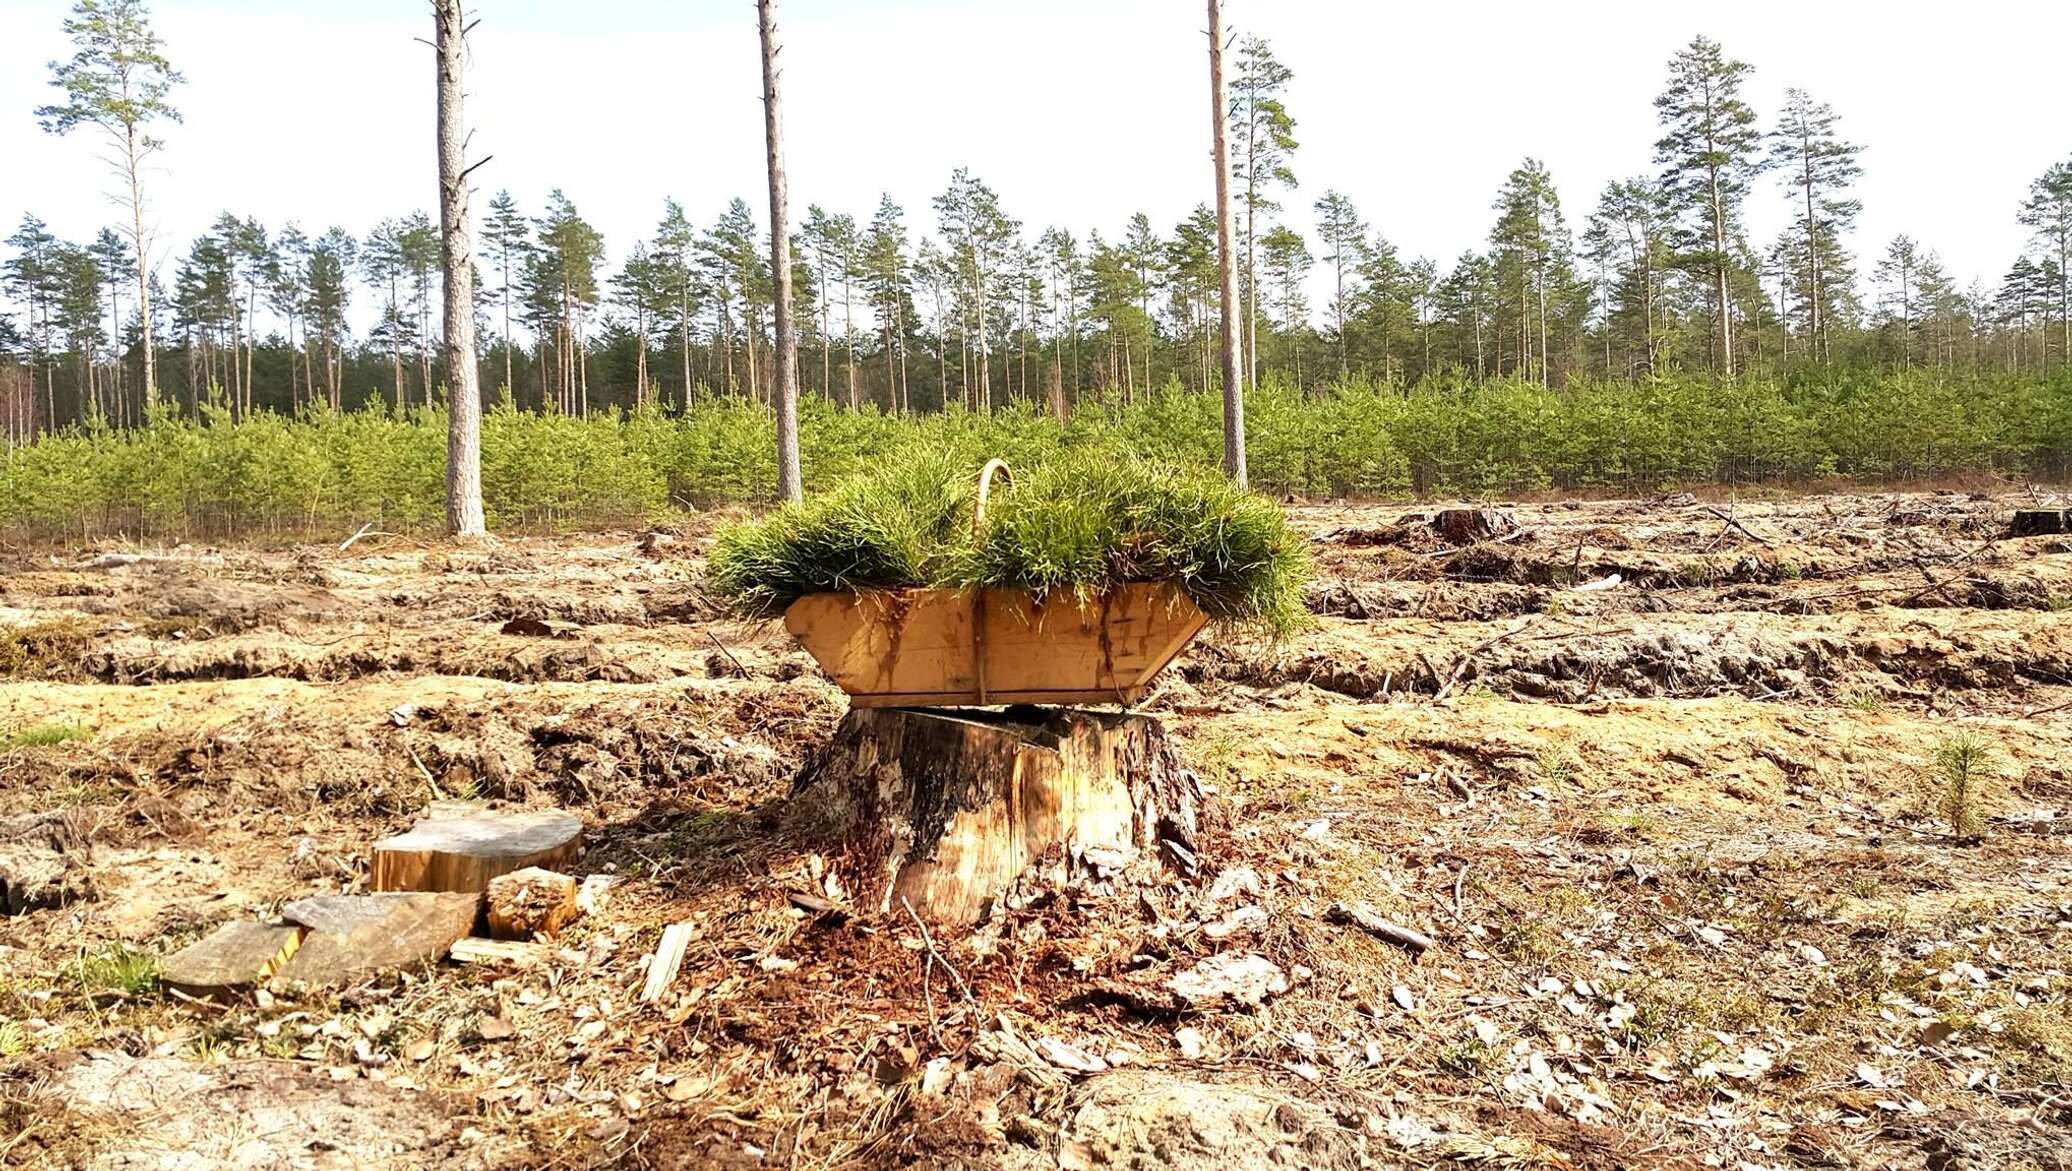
x,y
916,647
460,846
666,962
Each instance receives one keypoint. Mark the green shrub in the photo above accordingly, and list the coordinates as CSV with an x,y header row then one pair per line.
x,y
321,472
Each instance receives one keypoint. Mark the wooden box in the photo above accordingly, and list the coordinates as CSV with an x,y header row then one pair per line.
x,y
929,647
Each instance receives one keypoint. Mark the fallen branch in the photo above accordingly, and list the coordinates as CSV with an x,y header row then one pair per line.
x,y
1733,525
935,957
366,530
1365,918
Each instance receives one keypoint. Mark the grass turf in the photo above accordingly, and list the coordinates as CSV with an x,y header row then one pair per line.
x,y
1080,523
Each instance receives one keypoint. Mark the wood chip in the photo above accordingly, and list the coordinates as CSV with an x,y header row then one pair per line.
x,y
666,961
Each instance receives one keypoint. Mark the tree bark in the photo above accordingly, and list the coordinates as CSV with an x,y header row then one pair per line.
x,y
457,246
790,482
936,813
1233,386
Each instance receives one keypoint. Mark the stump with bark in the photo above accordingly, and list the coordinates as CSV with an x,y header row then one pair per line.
x,y
940,810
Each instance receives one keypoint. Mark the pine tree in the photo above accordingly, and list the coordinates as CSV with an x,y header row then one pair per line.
x,y
32,274
1344,240
1262,137
457,272
331,260
674,255
977,232
506,238
1533,257
887,282
120,82
1897,275
1287,262
2048,213
1708,159
1632,223
1816,166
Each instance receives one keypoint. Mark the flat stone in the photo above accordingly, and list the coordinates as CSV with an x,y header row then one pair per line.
x,y
231,959
355,936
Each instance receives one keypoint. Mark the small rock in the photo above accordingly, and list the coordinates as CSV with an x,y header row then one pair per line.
x,y
494,1028
1191,1042
1236,881
1247,920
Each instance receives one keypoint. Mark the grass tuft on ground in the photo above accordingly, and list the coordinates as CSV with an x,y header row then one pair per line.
x,y
1080,523
42,736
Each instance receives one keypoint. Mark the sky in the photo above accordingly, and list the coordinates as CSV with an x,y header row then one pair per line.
x,y
1078,112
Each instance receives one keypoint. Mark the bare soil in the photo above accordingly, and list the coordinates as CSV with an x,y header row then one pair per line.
x,y
1701,896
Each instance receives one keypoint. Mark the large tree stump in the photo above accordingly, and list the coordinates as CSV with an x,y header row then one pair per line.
x,y
939,810
2040,522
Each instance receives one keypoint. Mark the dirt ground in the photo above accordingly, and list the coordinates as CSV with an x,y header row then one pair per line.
x,y
1674,785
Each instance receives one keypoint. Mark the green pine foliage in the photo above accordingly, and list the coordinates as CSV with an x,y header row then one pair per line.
x,y
1079,523
324,472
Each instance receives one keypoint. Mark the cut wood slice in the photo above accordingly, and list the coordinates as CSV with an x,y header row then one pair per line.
x,y
460,846
530,902
939,811
900,648
233,958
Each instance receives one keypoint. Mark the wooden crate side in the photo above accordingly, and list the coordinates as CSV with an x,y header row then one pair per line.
x,y
915,647
890,642
1111,644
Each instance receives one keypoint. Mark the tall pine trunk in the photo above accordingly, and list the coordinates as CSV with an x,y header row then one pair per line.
x,y
1233,387
790,482
457,254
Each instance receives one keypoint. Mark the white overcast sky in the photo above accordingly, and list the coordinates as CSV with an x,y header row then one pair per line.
x,y
1078,112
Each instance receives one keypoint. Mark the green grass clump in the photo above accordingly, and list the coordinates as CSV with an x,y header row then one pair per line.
x,y
42,736
1081,523
900,527
118,968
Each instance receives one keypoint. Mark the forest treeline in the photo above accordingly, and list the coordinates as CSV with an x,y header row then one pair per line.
x,y
326,473
1660,278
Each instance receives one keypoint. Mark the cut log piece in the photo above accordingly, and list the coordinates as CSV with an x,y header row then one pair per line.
x,y
34,876
354,936
230,960
942,810
460,846
530,902
43,856
2040,522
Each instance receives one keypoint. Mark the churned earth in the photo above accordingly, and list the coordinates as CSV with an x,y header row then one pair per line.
x,y
1743,830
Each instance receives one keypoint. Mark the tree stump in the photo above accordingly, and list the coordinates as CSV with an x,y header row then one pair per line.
x,y
1465,526
2040,522
460,846
940,810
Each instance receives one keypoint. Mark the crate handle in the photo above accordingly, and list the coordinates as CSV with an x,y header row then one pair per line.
x,y
985,487
978,596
